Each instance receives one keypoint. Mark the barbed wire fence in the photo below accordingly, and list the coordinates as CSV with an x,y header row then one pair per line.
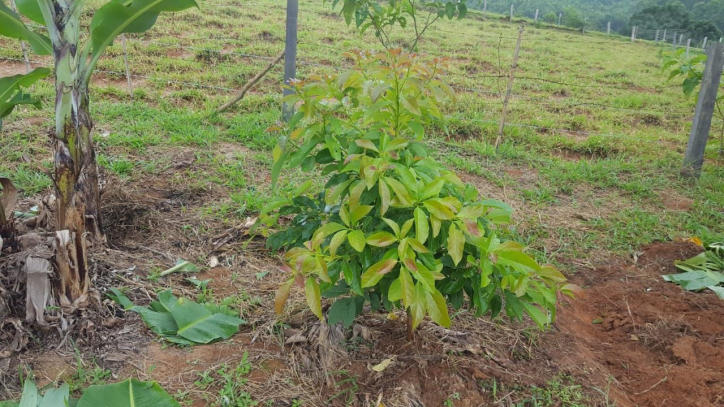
x,y
183,52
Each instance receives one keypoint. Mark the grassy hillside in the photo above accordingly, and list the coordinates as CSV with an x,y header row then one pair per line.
x,y
590,156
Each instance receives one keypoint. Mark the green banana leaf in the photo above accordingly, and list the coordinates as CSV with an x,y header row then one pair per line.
x,y
183,321
130,393
11,26
11,93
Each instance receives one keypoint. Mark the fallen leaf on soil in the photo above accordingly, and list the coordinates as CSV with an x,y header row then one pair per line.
x,y
382,365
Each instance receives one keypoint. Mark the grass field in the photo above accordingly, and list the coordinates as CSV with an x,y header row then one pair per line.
x,y
590,157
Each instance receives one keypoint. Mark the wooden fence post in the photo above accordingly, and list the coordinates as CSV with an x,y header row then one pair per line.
x,y
485,9
125,61
536,15
703,46
663,39
559,18
510,89
511,12
290,54
608,28
681,38
657,36
23,47
688,45
633,33
694,156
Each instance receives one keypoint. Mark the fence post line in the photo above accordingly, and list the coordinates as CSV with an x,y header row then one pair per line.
x,y
633,33
290,54
703,46
657,36
608,28
559,18
125,61
681,38
510,89
663,39
694,156
22,43
485,9
688,45
511,12
536,15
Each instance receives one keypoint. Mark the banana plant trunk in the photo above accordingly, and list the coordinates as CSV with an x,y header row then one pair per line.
x,y
78,220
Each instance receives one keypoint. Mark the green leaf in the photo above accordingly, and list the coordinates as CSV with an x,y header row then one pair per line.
x,y
282,296
539,317
359,213
403,195
336,241
394,226
367,144
384,197
30,397
517,260
123,16
314,297
31,10
432,189
56,397
394,293
327,229
450,10
455,243
437,308
197,324
12,26
10,90
696,280
356,239
130,393
381,239
407,287
343,310
378,270
417,307
439,209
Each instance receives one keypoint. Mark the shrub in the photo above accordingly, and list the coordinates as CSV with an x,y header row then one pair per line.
x,y
392,227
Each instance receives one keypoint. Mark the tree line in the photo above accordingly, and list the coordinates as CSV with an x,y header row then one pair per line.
x,y
695,19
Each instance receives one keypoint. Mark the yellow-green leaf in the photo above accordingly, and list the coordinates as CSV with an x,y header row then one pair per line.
x,y
437,308
336,241
417,306
436,225
359,213
407,287
422,229
395,291
378,270
381,239
391,223
384,197
367,144
403,195
356,239
455,243
282,296
439,209
314,298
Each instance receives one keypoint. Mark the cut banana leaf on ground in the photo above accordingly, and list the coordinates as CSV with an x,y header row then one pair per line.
x,y
130,393
704,271
183,321
182,266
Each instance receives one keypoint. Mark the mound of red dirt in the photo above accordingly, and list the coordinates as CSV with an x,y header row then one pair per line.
x,y
658,344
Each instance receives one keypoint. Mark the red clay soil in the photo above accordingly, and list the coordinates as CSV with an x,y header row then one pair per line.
x,y
660,345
